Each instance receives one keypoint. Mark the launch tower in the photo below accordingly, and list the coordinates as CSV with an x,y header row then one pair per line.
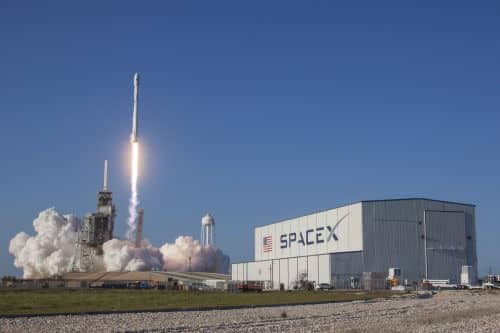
x,y
96,229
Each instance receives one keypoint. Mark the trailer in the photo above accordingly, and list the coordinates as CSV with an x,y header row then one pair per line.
x,y
440,284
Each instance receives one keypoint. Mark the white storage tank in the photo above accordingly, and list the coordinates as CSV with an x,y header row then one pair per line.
x,y
207,230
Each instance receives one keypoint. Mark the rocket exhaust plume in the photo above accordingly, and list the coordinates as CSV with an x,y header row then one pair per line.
x,y
134,170
51,250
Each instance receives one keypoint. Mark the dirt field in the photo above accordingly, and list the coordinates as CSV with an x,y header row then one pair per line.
x,y
454,311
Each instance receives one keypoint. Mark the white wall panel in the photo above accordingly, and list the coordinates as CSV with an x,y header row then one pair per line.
x,y
252,270
311,224
324,268
311,234
320,221
292,227
312,265
302,266
257,247
284,272
234,271
241,271
276,274
292,272
259,271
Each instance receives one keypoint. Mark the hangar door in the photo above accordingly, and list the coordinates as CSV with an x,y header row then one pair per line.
x,y
445,244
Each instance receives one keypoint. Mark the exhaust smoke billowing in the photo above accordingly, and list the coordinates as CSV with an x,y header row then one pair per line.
x,y
52,249
176,256
122,255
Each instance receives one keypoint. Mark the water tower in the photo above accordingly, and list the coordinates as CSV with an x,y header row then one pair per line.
x,y
207,230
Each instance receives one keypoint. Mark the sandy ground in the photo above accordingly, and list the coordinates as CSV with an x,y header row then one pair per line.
x,y
451,311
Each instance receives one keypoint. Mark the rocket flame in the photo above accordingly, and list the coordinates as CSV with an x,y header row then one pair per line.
x,y
134,196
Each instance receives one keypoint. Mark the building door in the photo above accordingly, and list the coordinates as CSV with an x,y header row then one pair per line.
x,y
445,244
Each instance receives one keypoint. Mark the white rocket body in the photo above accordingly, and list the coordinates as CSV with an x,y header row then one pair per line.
x,y
133,135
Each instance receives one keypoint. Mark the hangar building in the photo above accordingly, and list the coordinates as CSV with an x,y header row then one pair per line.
x,y
426,239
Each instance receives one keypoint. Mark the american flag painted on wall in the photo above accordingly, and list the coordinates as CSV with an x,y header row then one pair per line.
x,y
268,244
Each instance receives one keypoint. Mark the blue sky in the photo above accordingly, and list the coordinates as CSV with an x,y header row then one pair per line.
x,y
254,111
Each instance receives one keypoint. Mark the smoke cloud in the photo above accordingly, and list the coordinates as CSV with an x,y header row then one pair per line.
x,y
177,255
122,255
51,251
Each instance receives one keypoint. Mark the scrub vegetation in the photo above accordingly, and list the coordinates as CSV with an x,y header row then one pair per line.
x,y
47,301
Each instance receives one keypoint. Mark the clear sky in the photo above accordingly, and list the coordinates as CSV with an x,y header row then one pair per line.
x,y
252,110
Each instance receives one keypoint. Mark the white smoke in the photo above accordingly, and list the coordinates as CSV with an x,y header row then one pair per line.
x,y
134,194
132,218
51,251
209,259
122,255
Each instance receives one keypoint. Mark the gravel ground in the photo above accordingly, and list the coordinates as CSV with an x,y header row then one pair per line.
x,y
452,311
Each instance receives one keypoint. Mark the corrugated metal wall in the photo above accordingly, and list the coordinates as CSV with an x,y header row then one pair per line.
x,y
445,244
289,271
394,236
344,266
470,232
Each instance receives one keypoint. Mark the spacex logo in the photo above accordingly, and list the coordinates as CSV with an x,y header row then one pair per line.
x,y
311,236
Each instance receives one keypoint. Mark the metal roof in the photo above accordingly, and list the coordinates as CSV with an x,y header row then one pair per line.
x,y
144,276
361,201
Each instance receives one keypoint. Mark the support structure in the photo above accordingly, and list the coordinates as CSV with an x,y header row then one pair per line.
x,y
207,231
140,223
96,229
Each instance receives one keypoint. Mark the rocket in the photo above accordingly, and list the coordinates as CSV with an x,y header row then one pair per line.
x,y
133,135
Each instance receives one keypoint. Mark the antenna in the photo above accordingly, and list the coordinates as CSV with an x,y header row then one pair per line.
x,y
105,186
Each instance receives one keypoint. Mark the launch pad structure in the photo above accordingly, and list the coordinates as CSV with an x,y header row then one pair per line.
x,y
138,232
96,229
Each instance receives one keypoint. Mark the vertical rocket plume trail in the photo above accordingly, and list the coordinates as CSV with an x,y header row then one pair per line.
x,y
134,195
134,145
51,251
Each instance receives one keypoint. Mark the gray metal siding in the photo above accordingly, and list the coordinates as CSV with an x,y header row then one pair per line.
x,y
344,266
393,236
470,232
350,263
445,244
